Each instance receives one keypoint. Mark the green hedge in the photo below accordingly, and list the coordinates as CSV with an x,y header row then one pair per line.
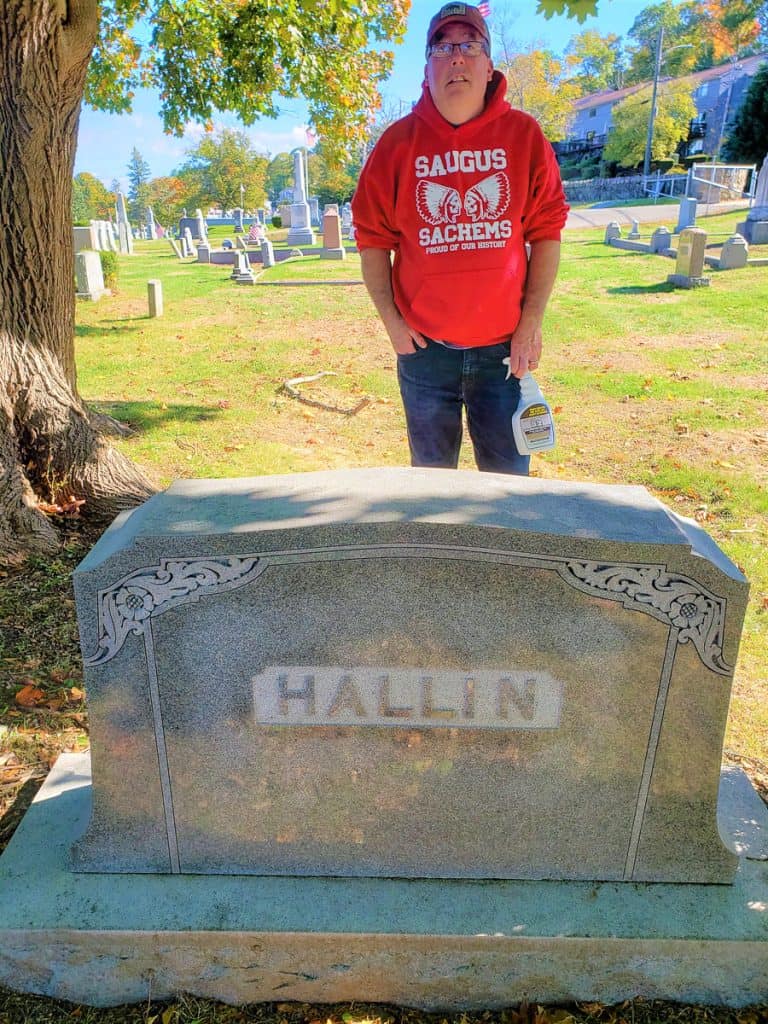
x,y
110,268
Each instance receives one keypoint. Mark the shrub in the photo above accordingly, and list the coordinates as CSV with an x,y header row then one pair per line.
x,y
109,268
277,221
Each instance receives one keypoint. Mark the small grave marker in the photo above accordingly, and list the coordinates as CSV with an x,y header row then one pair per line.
x,y
155,297
689,269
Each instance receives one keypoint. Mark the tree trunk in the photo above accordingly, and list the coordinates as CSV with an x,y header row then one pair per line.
x,y
51,450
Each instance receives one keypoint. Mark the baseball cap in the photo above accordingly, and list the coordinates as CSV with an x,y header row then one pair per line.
x,y
458,12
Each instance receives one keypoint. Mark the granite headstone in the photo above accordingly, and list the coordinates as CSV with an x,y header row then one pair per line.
x,y
415,673
89,277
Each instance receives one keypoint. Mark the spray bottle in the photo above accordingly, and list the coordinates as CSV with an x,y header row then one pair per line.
x,y
532,424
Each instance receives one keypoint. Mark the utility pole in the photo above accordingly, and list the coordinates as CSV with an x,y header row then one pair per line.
x,y
652,116
731,79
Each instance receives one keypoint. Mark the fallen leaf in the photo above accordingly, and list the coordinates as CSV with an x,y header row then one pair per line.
x,y
557,409
71,506
682,428
223,403
29,696
75,693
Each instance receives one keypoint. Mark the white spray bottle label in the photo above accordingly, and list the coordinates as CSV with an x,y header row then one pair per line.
x,y
532,424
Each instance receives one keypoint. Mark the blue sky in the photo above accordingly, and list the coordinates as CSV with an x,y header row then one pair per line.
x,y
106,140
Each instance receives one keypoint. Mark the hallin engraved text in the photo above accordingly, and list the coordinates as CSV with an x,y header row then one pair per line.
x,y
412,697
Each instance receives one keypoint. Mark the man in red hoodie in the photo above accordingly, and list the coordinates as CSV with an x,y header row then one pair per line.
x,y
456,190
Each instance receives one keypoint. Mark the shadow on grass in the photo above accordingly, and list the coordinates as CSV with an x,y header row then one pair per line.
x,y
307,284
592,257
643,289
126,324
141,417
11,819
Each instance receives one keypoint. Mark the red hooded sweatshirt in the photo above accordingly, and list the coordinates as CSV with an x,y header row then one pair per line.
x,y
457,205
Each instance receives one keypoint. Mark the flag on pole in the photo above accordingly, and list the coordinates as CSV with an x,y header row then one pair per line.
x,y
485,8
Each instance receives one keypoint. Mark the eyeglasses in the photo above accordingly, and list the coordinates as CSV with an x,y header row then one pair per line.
x,y
467,48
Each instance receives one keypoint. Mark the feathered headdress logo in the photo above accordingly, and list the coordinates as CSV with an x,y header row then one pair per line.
x,y
486,200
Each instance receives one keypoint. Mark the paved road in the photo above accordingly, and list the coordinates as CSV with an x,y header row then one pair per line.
x,y
667,213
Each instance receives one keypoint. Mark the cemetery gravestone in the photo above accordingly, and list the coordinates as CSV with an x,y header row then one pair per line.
x,y
155,297
85,237
246,633
418,671
242,273
175,247
661,240
346,219
755,228
734,254
101,233
89,277
189,245
239,228
333,248
300,232
686,217
689,268
124,233
267,254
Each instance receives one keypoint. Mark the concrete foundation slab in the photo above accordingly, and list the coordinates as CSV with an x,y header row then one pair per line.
x,y
109,939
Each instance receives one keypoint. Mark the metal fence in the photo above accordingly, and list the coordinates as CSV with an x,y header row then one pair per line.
x,y
710,183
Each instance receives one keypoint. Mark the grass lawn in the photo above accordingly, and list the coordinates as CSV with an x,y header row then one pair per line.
x,y
649,385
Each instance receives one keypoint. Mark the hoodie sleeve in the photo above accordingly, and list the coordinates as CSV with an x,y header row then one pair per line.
x,y
373,204
546,209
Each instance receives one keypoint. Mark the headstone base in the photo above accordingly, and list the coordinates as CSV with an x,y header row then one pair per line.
x,y
110,939
300,236
754,231
681,281
333,254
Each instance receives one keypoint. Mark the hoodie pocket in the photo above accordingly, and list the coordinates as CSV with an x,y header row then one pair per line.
x,y
471,305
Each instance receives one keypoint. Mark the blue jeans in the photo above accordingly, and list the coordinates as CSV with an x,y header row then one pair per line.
x,y
437,382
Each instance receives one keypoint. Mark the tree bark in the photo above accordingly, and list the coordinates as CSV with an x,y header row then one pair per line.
x,y
50,447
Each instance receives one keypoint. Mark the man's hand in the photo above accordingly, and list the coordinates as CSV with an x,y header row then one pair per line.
x,y
525,344
377,274
525,348
405,340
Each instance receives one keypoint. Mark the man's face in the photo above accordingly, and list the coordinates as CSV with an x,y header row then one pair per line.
x,y
458,83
